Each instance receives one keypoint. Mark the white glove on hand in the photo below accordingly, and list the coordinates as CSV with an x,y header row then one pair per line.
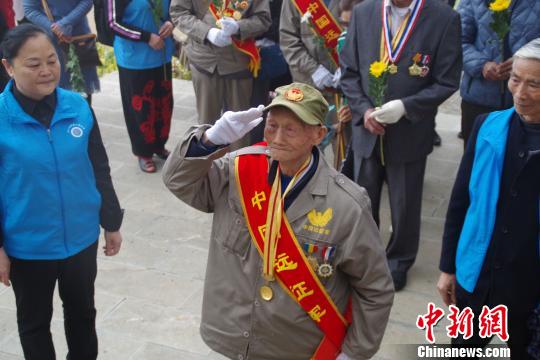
x,y
229,26
218,37
322,78
337,76
233,125
342,356
390,112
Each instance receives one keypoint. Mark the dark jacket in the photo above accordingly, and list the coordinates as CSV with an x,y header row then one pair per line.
x,y
511,268
436,34
480,45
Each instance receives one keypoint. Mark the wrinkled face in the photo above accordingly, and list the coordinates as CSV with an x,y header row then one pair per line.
x,y
289,139
35,69
524,84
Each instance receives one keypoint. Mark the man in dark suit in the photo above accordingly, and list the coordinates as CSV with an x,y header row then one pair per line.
x,y
422,48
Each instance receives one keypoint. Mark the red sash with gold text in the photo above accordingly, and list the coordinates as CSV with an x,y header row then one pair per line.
x,y
247,46
292,270
324,24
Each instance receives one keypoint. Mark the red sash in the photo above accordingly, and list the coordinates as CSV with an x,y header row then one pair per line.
x,y
292,270
247,46
324,24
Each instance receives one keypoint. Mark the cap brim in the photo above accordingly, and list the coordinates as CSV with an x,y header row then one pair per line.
x,y
297,109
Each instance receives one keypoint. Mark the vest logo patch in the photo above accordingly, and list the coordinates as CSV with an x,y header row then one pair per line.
x,y
76,130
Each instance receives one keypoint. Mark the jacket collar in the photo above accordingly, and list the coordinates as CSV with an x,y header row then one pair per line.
x,y
317,186
16,114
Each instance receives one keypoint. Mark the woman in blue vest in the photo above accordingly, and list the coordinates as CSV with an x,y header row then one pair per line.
x,y
55,192
143,48
490,253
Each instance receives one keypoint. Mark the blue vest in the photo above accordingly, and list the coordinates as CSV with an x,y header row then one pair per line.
x,y
138,55
49,202
484,187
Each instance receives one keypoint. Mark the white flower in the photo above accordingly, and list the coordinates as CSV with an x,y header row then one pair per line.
x,y
306,17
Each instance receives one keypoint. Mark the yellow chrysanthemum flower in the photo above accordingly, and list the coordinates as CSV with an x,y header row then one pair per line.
x,y
377,68
499,5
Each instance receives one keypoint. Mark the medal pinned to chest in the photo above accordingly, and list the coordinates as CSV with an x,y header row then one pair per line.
x,y
420,66
324,270
227,8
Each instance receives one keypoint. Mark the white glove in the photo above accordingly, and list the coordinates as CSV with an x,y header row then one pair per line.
x,y
233,126
342,356
218,37
322,78
390,112
337,76
229,26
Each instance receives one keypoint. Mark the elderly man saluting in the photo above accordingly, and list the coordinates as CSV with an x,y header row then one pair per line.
x,y
490,253
296,268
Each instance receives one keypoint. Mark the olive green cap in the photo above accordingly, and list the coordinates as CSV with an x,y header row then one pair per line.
x,y
303,100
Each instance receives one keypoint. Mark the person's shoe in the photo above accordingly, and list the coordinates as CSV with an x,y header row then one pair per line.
x,y
147,164
460,135
163,154
436,139
400,279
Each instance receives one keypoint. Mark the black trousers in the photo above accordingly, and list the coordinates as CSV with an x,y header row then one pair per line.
x,y
519,334
147,101
469,112
405,186
34,282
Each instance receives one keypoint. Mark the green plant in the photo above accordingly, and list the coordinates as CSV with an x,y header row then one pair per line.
x,y
108,60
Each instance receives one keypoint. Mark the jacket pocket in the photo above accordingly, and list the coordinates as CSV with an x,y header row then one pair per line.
x,y
234,237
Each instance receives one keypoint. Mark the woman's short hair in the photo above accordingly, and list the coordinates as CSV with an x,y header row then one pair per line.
x,y
17,37
531,50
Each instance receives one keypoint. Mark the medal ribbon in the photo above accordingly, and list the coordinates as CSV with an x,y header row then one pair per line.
x,y
251,171
246,46
274,217
391,50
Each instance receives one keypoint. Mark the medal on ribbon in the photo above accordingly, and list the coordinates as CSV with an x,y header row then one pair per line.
x,y
326,270
312,250
392,46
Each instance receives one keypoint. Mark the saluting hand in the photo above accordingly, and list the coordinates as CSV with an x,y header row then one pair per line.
x,y
233,126
113,241
5,266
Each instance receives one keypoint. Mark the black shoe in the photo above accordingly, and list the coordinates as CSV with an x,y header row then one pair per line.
x,y
460,135
400,279
436,139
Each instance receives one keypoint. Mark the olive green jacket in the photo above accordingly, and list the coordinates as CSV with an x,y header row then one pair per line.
x,y
235,320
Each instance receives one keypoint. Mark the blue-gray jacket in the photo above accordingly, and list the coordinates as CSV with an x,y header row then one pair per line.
x,y
480,45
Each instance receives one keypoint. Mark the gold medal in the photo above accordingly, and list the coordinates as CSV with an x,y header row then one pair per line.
x,y
266,293
392,69
415,70
237,15
325,270
312,261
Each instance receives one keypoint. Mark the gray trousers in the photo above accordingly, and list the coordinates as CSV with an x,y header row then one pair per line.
x,y
405,185
214,93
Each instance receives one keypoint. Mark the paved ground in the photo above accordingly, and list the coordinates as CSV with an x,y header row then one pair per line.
x,y
149,296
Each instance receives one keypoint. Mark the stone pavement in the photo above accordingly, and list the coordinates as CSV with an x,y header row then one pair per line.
x,y
148,298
